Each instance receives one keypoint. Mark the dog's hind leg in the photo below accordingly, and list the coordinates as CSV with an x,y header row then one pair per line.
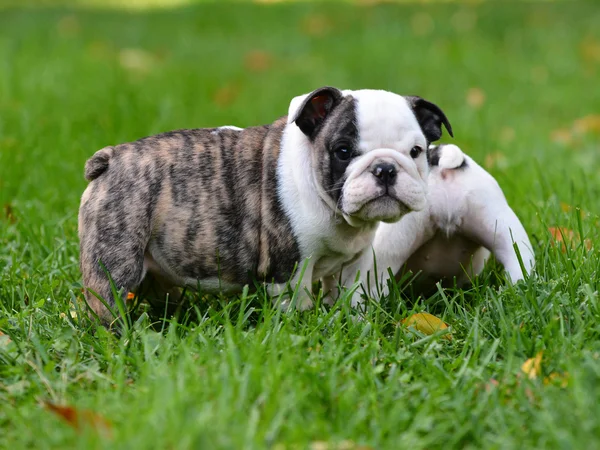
x,y
112,245
161,293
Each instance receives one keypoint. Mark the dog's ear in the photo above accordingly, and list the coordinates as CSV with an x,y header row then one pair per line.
x,y
430,118
315,108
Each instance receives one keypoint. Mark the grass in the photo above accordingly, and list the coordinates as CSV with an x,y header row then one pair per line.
x,y
515,82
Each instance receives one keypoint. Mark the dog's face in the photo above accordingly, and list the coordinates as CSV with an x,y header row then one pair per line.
x,y
368,150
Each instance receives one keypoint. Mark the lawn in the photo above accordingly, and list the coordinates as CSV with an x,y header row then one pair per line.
x,y
519,83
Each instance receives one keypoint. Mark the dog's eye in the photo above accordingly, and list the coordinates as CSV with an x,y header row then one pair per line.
x,y
343,154
415,152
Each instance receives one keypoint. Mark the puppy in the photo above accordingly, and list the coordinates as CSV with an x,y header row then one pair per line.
x,y
221,208
467,216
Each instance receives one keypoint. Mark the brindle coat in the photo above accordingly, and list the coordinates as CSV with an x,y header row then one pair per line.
x,y
204,201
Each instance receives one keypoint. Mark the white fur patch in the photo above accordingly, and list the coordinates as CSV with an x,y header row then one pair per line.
x,y
227,127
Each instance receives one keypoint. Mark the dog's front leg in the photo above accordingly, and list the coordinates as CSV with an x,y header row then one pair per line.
x,y
394,243
493,223
301,283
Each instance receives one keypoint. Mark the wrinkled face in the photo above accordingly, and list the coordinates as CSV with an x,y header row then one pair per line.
x,y
369,156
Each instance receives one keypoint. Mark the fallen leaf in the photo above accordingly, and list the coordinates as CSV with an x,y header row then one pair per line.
x,y
226,95
316,25
533,366
79,419
587,124
9,213
565,236
258,61
557,379
426,323
475,98
562,136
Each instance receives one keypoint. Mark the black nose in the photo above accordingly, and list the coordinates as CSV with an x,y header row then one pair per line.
x,y
385,173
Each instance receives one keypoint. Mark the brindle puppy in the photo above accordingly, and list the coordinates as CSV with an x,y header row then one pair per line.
x,y
222,207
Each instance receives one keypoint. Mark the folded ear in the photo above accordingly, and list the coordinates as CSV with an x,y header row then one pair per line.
x,y
430,118
315,108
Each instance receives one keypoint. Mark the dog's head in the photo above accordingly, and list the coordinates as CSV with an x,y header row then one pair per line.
x,y
368,150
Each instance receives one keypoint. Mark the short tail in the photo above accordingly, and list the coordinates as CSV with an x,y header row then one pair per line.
x,y
97,164
446,156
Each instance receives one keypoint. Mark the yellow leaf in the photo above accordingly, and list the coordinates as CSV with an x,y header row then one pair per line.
x,y
587,124
557,379
533,366
562,136
475,98
426,323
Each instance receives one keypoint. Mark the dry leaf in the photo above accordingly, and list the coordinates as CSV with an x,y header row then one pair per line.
x,y
79,419
475,98
316,25
557,379
587,124
533,366
562,136
426,323
9,213
258,61
566,236
225,95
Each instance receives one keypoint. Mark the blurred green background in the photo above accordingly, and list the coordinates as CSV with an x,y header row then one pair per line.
x,y
519,83
513,79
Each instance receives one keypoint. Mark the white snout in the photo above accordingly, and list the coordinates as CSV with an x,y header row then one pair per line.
x,y
365,197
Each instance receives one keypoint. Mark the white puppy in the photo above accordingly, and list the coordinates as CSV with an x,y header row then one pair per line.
x,y
466,218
